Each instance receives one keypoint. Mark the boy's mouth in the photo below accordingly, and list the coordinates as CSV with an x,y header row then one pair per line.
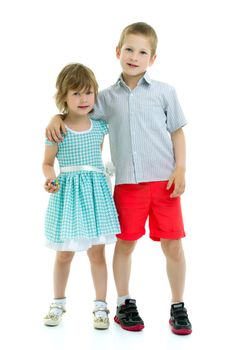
x,y
132,65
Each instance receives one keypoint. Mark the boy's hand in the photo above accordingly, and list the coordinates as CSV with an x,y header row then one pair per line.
x,y
51,185
178,179
53,130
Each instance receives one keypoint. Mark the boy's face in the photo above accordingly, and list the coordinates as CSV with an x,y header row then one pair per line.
x,y
135,55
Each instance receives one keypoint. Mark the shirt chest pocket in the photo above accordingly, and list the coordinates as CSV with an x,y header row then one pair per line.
x,y
154,117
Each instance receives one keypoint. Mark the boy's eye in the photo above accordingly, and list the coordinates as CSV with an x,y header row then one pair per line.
x,y
90,92
129,49
143,52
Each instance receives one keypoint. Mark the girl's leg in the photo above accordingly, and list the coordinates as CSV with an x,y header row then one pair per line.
x,y
122,265
96,256
61,273
176,267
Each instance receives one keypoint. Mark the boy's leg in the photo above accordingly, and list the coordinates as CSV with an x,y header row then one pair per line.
x,y
127,315
166,225
175,261
176,267
96,256
122,265
132,203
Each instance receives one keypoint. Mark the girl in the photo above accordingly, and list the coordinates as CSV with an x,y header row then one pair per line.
x,y
81,214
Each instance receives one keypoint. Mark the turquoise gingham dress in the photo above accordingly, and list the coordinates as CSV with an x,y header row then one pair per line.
x,y
82,213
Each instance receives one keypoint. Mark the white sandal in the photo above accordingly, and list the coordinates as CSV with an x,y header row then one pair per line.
x,y
54,318
101,322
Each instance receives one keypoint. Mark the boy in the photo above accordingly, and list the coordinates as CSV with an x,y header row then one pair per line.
x,y
148,149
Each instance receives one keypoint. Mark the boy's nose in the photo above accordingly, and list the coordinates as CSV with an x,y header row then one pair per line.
x,y
134,57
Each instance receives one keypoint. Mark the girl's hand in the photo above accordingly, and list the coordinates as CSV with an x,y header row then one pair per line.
x,y
51,185
178,179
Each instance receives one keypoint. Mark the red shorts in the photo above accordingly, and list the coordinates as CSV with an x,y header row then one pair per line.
x,y
136,202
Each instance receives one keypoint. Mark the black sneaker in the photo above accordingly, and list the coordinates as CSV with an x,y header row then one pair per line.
x,y
127,316
179,321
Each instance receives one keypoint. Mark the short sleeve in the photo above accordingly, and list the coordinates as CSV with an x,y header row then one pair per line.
x,y
103,126
49,143
174,112
99,108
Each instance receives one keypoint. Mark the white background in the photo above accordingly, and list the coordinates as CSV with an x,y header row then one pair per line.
x,y
195,55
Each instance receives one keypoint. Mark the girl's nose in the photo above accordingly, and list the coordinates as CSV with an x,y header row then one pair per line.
x,y
83,97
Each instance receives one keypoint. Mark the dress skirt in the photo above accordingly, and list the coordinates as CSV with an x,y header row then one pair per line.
x,y
82,213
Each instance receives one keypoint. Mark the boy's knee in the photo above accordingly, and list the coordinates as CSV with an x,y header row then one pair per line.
x,y
125,247
173,249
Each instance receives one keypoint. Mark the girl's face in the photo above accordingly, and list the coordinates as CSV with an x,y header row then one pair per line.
x,y
79,102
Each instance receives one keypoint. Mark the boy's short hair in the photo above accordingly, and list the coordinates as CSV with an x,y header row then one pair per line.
x,y
143,29
74,76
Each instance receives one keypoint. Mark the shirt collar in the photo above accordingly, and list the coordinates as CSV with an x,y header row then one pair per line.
x,y
146,78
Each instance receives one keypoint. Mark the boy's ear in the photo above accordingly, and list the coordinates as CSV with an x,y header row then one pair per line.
x,y
118,52
152,60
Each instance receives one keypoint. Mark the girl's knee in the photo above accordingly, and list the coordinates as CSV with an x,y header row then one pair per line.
x,y
96,255
64,257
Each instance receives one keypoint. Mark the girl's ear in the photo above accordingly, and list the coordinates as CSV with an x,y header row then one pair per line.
x,y
118,52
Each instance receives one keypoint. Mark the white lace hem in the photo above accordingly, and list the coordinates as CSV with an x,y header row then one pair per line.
x,y
80,244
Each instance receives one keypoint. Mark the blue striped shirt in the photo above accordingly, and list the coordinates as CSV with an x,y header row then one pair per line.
x,y
140,123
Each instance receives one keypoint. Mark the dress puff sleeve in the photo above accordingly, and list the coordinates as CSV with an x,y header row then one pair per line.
x,y
103,126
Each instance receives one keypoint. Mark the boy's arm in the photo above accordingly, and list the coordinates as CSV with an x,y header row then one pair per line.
x,y
55,127
178,175
48,166
100,108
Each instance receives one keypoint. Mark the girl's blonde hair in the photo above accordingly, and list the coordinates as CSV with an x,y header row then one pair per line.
x,y
74,76
143,29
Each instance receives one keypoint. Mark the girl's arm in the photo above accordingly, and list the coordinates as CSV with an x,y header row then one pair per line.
x,y
48,167
55,127
178,175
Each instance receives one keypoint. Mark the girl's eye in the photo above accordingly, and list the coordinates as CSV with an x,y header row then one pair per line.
x,y
143,52
128,49
76,93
